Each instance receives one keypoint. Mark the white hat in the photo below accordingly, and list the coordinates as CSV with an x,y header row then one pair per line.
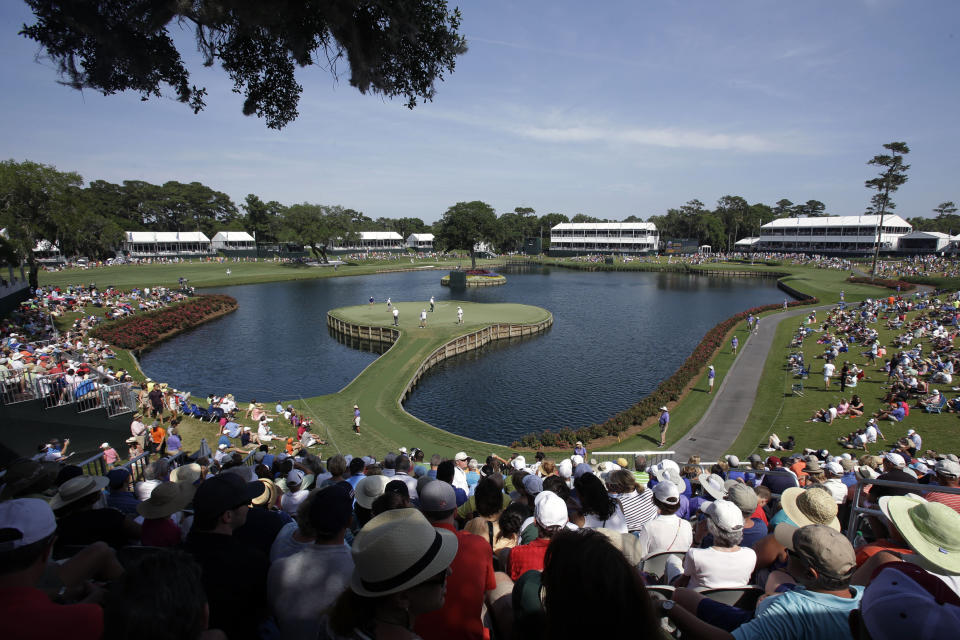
x,y
221,446
295,476
948,468
105,445
664,408
519,463
733,461
369,489
460,456
710,366
550,510
666,470
666,492
726,515
397,550
31,517
895,459
565,468
834,468
910,432
402,449
713,485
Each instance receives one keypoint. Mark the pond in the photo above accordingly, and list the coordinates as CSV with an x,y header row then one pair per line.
x,y
615,337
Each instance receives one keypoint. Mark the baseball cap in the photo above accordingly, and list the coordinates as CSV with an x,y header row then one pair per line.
x,y
902,599
733,461
666,492
32,520
330,509
744,497
550,510
726,515
460,456
533,484
222,493
948,468
834,468
894,458
517,463
824,548
438,496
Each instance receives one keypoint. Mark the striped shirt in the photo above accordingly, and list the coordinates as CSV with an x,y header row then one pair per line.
x,y
952,500
638,508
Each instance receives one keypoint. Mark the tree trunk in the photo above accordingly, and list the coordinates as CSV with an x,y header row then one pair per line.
x,y
34,277
473,258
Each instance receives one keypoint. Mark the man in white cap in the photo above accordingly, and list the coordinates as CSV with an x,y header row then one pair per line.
x,y
711,377
550,516
893,465
460,471
916,442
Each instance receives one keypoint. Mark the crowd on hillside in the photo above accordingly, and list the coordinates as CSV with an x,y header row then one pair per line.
x,y
408,546
927,265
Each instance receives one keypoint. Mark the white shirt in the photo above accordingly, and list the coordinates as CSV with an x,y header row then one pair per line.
x,y
828,369
616,522
290,502
714,569
837,489
666,533
460,479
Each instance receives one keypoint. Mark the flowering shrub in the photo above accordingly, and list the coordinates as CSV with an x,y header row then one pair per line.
x,y
483,272
899,285
667,391
139,331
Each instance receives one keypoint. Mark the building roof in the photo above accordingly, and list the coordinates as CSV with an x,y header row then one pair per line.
x,y
380,235
165,236
927,234
233,236
836,221
606,226
746,242
421,237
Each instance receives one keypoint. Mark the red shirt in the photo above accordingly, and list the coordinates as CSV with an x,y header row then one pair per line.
x,y
159,532
527,557
952,500
28,614
471,577
760,514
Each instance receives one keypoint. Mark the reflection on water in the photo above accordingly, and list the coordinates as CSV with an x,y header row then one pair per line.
x,y
615,336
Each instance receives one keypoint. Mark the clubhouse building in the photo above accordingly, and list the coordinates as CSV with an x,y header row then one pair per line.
x,y
166,244
420,241
631,238
833,234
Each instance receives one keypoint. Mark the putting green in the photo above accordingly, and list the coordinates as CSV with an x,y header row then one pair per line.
x,y
379,389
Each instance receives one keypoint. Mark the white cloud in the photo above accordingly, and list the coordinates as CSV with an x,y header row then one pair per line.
x,y
670,138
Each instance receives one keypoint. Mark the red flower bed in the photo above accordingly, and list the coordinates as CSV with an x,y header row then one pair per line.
x,y
667,391
481,272
899,285
142,330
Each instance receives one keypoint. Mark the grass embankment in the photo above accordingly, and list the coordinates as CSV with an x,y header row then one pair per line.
x,y
336,412
778,410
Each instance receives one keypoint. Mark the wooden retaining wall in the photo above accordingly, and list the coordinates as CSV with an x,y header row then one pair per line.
x,y
461,344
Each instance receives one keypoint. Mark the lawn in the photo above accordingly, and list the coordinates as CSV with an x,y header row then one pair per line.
x,y
778,410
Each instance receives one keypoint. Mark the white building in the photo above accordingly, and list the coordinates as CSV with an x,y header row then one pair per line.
x,y
832,234
420,241
372,241
924,242
166,244
233,240
604,237
746,244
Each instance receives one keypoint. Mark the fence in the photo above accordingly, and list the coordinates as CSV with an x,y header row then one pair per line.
x,y
653,457
858,511
55,391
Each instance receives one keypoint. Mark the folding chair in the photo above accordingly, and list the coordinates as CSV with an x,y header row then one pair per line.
x,y
743,597
656,565
797,389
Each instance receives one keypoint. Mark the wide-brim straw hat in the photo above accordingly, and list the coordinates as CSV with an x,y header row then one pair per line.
x,y
270,493
810,506
397,550
369,489
186,474
713,485
166,499
76,488
932,529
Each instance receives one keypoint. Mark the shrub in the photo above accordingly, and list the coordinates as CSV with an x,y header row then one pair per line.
x,y
142,330
899,285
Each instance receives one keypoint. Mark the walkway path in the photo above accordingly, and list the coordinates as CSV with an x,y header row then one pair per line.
x,y
719,427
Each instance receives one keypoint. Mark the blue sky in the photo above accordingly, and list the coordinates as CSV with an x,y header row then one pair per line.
x,y
609,109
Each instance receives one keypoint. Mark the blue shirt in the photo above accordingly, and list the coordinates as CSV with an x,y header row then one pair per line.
x,y
800,614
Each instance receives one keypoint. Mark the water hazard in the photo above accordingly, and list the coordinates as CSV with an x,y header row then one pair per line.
x,y
615,337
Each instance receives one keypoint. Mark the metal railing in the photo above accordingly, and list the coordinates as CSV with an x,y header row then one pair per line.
x,y
653,457
96,392
858,511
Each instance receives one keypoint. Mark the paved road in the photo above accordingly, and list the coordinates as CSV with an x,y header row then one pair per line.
x,y
720,425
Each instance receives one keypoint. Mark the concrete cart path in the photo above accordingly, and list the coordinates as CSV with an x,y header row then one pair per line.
x,y
719,427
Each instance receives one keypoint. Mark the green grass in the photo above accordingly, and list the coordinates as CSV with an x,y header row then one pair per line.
x,y
386,425
778,411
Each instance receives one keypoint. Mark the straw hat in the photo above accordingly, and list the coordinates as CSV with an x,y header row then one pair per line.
x,y
166,499
270,493
397,550
76,488
369,489
810,506
187,474
713,485
932,529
